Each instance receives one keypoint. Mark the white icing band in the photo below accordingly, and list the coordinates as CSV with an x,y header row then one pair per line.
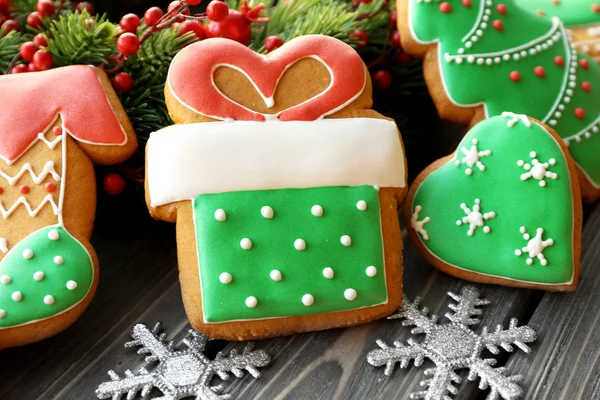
x,y
293,154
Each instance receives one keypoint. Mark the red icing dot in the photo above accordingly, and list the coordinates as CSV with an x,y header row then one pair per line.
x,y
1,190
466,3
445,7
596,8
579,113
559,60
515,76
24,189
498,25
539,71
585,64
586,86
50,187
501,8
57,130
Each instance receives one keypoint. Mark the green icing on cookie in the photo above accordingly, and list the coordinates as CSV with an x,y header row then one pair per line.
x,y
571,12
497,54
241,284
45,274
494,183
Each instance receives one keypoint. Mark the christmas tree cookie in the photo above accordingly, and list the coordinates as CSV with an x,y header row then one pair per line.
x,y
284,186
53,124
504,208
483,57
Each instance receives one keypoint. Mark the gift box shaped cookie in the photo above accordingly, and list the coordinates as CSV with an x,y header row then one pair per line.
x,y
53,125
284,186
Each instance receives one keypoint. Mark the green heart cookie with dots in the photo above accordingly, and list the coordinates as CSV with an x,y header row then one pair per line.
x,y
504,208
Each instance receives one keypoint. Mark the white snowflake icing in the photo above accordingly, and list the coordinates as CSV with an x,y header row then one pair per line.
x,y
535,246
418,225
515,118
475,218
180,373
454,346
472,157
537,170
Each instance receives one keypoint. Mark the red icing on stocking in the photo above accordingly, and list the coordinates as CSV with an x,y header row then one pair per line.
x,y
31,102
191,77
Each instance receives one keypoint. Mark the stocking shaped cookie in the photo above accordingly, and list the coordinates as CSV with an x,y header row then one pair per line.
x,y
581,18
53,124
284,187
504,208
483,57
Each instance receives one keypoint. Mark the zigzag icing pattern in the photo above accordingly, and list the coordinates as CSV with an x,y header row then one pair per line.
x,y
32,212
47,170
51,144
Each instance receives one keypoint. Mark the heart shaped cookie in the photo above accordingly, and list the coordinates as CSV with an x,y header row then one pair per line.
x,y
505,208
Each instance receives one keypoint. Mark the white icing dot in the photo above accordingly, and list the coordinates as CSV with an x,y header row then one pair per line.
x,y
246,244
49,299
328,273
468,171
542,183
53,234
520,163
58,260
276,275
361,205
71,285
2,314
487,229
552,161
533,154
220,215
267,212
371,271
5,279
317,211
529,261
225,278
346,240
308,300
251,302
27,254
350,294
518,252
38,276
523,229
17,296
299,244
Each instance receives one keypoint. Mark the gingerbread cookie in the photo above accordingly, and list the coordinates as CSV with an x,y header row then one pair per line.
x,y
581,17
53,124
483,57
505,208
284,186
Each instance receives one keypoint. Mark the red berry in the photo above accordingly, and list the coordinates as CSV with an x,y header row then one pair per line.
x,y
45,8
501,8
40,40
129,23
217,11
579,113
84,5
382,79
174,5
559,60
42,60
17,69
27,50
467,3
585,64
193,2
273,42
50,187
393,20
113,184
498,25
396,40
32,68
128,43
34,20
235,27
539,71
192,25
123,82
586,86
445,7
152,16
24,189
515,76
361,36
11,25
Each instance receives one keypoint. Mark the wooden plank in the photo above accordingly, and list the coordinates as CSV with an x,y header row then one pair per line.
x,y
565,363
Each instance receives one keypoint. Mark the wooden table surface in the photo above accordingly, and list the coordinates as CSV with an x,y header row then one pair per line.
x,y
139,284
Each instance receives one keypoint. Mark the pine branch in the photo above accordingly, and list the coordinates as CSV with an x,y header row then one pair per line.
x,y
9,48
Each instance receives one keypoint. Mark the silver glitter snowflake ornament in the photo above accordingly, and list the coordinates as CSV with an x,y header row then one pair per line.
x,y
180,373
454,346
